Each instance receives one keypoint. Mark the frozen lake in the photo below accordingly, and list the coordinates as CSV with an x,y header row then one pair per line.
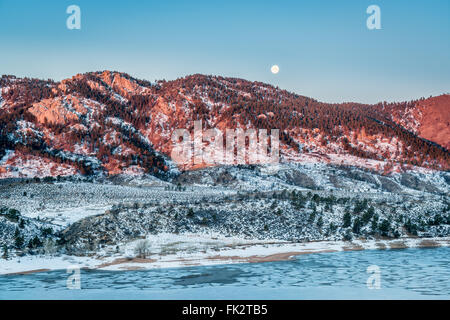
x,y
404,274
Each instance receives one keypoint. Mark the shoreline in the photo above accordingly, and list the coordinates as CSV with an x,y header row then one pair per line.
x,y
246,253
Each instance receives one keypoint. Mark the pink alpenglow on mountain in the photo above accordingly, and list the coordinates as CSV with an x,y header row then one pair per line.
x,y
108,122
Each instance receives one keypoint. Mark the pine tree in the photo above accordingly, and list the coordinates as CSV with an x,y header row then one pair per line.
x,y
357,226
18,242
347,220
37,242
320,222
374,225
5,252
385,226
312,217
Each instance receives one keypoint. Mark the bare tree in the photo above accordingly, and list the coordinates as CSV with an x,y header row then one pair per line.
x,y
50,247
142,249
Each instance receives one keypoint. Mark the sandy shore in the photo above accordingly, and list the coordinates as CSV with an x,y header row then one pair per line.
x,y
247,252
28,272
292,254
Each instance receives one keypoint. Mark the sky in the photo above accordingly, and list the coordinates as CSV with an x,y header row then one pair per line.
x,y
323,47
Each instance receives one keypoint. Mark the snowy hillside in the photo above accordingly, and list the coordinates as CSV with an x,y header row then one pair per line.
x,y
110,123
295,203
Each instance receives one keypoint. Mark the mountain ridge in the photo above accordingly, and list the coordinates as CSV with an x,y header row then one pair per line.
x,y
109,122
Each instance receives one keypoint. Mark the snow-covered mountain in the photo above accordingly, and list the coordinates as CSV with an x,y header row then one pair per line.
x,y
108,122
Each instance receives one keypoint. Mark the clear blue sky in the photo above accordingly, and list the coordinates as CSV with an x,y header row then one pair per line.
x,y
323,47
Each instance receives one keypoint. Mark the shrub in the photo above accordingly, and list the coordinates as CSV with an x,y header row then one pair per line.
x,y
348,235
190,212
411,227
438,220
18,242
10,214
332,228
316,198
34,243
47,232
48,179
360,206
273,205
368,215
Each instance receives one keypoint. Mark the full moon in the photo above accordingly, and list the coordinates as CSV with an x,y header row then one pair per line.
x,y
275,69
